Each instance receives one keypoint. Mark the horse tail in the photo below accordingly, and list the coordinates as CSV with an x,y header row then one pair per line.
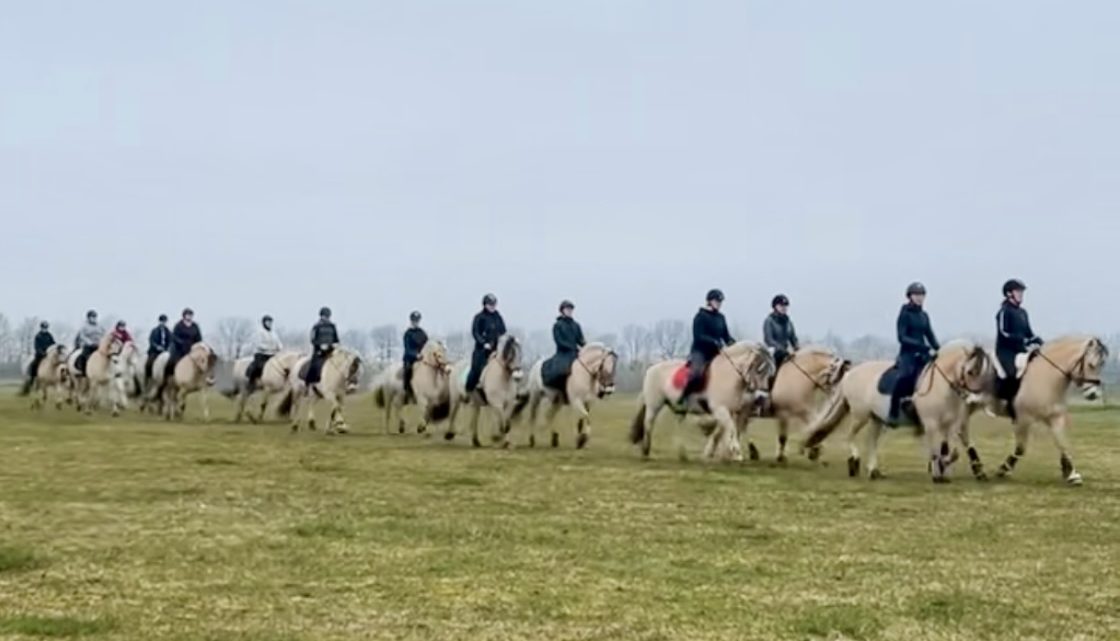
x,y
284,409
638,425
826,422
379,397
534,407
440,411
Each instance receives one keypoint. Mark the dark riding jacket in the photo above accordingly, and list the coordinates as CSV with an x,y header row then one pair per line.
x,y
414,341
324,336
184,337
487,328
568,336
1013,329
159,340
709,333
43,342
915,333
778,333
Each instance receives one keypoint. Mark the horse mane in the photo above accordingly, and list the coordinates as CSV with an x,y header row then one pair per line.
x,y
817,350
507,344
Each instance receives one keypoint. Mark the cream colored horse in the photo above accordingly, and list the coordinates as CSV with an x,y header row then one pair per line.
x,y
90,390
591,378
127,370
806,376
273,383
948,391
194,373
497,388
737,377
1070,360
339,375
51,374
430,385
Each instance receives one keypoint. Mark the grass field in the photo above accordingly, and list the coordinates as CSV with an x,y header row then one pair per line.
x,y
135,529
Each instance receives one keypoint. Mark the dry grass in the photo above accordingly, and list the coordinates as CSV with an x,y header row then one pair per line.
x,y
135,529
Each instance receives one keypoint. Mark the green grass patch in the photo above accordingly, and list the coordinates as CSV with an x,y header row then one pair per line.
x,y
18,559
54,627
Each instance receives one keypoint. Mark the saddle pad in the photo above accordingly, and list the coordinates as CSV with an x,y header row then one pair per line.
x,y
888,380
680,377
303,369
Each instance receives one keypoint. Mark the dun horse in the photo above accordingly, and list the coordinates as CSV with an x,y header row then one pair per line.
x,y
496,389
193,374
94,387
430,387
806,376
339,375
591,378
273,383
51,375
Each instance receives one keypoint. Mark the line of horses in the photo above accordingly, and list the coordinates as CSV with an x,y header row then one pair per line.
x,y
814,390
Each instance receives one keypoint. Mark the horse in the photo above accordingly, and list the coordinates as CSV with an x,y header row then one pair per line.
x,y
497,388
127,371
194,373
948,390
793,396
339,375
736,379
430,387
91,388
272,383
591,377
51,374
1069,360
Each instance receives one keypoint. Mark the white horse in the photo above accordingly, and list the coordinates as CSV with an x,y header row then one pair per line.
x,y
273,383
591,378
194,373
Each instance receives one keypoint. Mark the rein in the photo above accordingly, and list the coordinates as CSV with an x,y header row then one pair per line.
x,y
743,375
817,384
960,389
1079,364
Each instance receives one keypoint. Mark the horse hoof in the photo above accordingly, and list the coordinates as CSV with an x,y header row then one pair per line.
x,y
342,429
1003,472
532,441
421,429
1075,479
853,466
581,441
400,428
555,440
506,445
449,436
813,454
475,442
941,480
875,475
982,477
781,460
312,426
753,452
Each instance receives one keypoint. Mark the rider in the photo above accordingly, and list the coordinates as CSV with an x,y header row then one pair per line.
x,y
917,347
159,341
266,344
89,338
43,342
568,336
324,337
1014,336
120,333
185,335
486,329
778,331
415,339
709,337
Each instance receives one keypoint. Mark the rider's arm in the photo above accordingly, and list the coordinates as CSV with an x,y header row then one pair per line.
x,y
793,342
904,337
770,334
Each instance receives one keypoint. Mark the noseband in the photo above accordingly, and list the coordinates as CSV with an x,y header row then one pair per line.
x,y
1080,380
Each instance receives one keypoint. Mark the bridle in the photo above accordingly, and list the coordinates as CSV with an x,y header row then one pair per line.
x,y
960,387
1080,364
824,387
597,374
744,375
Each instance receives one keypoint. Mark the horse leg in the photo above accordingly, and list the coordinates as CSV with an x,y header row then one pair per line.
x,y
242,400
477,411
338,419
266,396
973,456
310,404
937,442
583,422
400,403
297,407
742,421
1022,435
425,411
452,412
873,438
548,417
853,445
783,437
205,404
650,421
731,426
1058,424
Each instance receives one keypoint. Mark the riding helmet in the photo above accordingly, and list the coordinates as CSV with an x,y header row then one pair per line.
x,y
163,318
915,288
91,314
414,317
188,312
266,319
121,324
489,299
566,304
44,325
780,299
325,312
714,294
1014,285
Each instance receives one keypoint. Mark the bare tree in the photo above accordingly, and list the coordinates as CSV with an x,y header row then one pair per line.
x,y
357,341
294,339
636,343
385,340
25,335
457,344
234,335
671,338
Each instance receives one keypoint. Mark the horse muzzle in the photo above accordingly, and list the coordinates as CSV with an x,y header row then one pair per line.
x,y
518,374
1091,390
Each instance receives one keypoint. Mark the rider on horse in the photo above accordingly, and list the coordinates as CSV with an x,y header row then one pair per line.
x,y
121,334
568,336
917,347
486,328
185,335
709,337
159,341
415,339
1014,336
324,338
43,341
778,332
89,338
266,344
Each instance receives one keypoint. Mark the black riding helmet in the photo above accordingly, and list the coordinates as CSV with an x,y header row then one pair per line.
x,y
414,317
266,319
489,299
187,311
163,318
325,312
1014,285
714,294
915,289
44,325
780,299
566,304
91,314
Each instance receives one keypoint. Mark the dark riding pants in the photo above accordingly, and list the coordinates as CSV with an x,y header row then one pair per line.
x,y
697,367
478,363
256,368
909,368
315,368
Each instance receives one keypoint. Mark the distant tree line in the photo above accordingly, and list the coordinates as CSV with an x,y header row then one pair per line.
x,y
638,345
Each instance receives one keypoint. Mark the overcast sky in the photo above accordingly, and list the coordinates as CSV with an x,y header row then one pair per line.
x,y
244,157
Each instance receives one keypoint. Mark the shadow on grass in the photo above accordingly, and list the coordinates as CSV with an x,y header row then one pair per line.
x,y
830,621
54,627
18,559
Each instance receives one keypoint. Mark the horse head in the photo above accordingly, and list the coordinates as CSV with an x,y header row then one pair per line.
x,y
509,355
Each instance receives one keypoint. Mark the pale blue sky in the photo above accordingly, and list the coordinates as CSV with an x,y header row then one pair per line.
x,y
243,157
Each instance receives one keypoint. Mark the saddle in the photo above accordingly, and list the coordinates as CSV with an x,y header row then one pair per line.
x,y
554,374
889,380
680,378
304,369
